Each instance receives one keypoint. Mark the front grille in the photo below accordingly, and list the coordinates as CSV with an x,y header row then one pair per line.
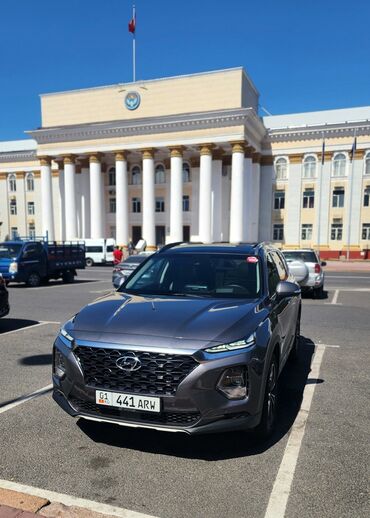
x,y
159,374
167,418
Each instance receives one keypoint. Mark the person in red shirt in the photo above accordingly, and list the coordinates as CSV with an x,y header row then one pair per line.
x,y
117,255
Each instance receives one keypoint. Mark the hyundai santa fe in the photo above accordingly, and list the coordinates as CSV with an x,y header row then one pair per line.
x,y
193,341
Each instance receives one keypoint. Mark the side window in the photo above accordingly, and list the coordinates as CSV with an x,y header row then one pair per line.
x,y
273,274
32,251
280,264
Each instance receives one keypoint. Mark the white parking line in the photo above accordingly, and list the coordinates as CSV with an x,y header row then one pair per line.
x,y
280,492
69,500
23,399
335,297
27,327
328,276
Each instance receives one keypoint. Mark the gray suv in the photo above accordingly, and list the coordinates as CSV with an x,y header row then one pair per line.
x,y
194,341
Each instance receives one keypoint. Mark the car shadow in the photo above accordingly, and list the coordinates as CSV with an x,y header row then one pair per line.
x,y
13,324
214,447
37,359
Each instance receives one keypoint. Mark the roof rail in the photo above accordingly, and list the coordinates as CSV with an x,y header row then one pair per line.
x,y
170,245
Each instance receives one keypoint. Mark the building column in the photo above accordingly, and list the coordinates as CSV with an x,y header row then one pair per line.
x,y
256,179
176,219
237,193
122,229
96,198
205,194
47,199
148,199
70,197
85,201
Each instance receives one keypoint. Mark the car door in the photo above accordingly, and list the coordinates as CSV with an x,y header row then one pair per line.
x,y
32,259
280,308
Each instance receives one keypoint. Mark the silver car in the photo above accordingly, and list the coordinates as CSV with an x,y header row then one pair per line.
x,y
306,267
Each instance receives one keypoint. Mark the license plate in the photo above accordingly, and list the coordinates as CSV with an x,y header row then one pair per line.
x,y
128,401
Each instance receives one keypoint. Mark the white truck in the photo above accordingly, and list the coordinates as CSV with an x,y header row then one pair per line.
x,y
99,251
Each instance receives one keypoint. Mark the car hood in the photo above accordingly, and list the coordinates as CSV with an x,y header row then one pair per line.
x,y
166,321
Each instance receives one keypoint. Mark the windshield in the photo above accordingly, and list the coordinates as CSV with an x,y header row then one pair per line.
x,y
306,257
205,275
9,250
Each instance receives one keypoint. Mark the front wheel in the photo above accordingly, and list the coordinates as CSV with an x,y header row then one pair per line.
x,y
269,412
34,280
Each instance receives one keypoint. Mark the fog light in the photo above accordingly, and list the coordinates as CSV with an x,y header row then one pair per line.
x,y
59,364
233,383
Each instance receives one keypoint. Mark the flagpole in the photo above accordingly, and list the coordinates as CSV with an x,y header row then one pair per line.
x,y
350,196
134,47
320,192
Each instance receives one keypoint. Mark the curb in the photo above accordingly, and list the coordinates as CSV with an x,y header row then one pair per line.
x,y
30,502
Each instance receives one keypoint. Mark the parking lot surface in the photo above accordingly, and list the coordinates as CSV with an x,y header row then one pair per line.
x,y
316,465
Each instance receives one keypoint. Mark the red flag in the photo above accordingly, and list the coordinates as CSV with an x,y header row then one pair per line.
x,y
132,24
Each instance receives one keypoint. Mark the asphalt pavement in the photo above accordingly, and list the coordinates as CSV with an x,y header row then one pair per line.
x,y
321,442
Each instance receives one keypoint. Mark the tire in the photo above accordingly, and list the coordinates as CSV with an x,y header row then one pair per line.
x,y
89,261
267,424
68,277
294,352
34,280
318,293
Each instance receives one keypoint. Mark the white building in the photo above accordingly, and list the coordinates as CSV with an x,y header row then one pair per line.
x,y
189,158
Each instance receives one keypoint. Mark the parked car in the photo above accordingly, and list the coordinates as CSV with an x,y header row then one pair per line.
x,y
194,341
306,267
99,251
34,262
122,270
4,298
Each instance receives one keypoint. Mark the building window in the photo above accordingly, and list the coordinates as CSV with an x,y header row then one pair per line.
x,y
367,197
308,199
306,232
186,203
31,230
112,205
339,165
279,200
278,232
136,205
281,168
309,167
13,207
159,204
31,208
336,231
12,183
112,177
367,164
160,174
186,172
30,182
366,231
14,232
136,175
338,197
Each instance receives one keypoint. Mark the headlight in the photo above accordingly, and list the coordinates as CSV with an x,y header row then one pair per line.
x,y
66,338
13,267
233,346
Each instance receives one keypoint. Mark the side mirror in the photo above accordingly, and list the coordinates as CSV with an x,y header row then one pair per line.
x,y
323,263
121,281
286,289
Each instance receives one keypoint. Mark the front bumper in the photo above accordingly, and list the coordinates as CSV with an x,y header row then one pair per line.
x,y
196,407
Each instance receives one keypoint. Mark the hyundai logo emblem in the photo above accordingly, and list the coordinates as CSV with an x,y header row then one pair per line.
x,y
128,363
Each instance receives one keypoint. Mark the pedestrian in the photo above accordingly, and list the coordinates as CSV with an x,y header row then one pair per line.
x,y
117,255
130,247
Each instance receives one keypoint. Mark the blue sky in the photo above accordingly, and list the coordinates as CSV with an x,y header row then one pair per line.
x,y
302,55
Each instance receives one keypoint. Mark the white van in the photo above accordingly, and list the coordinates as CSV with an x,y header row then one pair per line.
x,y
99,251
